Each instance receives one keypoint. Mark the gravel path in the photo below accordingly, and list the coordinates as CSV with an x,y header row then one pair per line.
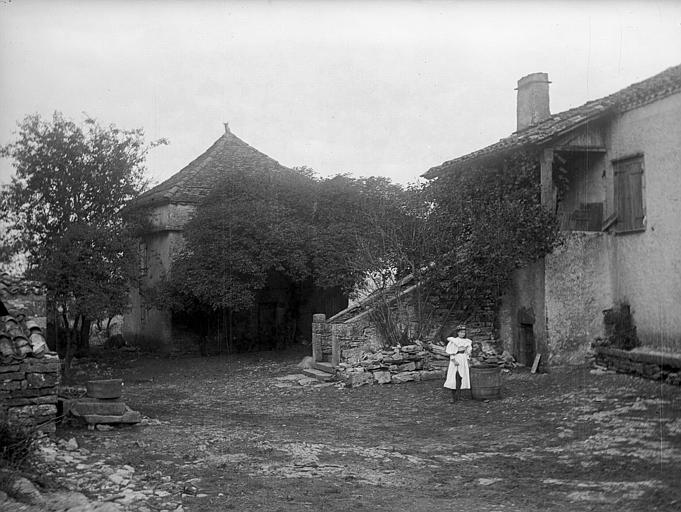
x,y
222,435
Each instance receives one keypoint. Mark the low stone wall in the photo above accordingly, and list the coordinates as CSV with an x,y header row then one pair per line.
x,y
396,365
661,366
28,392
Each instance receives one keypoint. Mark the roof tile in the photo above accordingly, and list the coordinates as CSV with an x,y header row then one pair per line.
x,y
657,87
199,177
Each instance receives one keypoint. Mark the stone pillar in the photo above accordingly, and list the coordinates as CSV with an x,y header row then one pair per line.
x,y
318,331
335,349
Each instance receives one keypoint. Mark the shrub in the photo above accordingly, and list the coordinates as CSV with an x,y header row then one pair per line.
x,y
16,445
620,330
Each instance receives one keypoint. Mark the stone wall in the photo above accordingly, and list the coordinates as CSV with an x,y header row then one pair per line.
x,y
665,367
397,365
28,392
29,373
577,291
356,347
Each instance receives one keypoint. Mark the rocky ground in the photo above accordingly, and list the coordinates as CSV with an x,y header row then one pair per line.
x,y
228,433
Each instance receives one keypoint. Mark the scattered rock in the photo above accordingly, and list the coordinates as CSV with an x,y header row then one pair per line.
x,y
306,362
71,501
382,377
24,490
71,444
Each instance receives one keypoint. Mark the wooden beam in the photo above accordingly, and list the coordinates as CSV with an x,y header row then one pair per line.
x,y
535,365
580,149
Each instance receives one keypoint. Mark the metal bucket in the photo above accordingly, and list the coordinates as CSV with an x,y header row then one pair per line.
x,y
485,382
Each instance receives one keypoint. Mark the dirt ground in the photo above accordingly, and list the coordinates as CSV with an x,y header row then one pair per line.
x,y
223,436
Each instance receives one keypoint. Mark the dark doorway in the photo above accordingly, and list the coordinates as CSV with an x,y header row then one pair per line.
x,y
526,347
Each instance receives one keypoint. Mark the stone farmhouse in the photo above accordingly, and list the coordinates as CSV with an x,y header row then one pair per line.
x,y
611,170
168,207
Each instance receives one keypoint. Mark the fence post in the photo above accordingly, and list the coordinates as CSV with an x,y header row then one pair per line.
x,y
318,329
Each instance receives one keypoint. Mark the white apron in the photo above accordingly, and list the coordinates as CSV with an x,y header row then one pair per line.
x,y
462,358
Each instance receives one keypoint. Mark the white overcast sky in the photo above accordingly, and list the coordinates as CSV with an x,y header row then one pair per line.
x,y
373,88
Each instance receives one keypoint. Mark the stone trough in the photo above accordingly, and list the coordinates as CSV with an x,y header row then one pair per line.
x,y
103,405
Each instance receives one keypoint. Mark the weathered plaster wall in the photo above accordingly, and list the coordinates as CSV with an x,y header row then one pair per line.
x,y
647,265
144,325
526,292
170,216
577,291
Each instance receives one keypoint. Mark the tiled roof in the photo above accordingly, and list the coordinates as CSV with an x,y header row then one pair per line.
x,y
20,338
11,285
657,87
200,176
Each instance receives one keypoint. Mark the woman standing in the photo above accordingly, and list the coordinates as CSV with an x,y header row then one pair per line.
x,y
459,350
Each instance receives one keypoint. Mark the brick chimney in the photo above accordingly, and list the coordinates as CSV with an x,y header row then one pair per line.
x,y
533,99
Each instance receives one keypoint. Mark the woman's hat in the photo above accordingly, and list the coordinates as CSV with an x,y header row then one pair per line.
x,y
461,327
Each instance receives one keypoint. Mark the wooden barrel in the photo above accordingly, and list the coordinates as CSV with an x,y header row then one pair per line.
x,y
485,382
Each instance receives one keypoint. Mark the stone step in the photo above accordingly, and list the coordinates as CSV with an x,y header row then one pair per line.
x,y
323,366
112,407
318,374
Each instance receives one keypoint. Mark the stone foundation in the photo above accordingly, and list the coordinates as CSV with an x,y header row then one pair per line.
x,y
28,392
660,366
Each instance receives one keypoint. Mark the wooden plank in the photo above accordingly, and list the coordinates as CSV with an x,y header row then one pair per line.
x,y
535,365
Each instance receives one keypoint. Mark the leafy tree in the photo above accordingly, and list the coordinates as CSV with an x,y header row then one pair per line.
x,y
488,222
257,224
63,203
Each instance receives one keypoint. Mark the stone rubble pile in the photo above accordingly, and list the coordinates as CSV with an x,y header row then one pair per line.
x,y
415,362
396,365
29,375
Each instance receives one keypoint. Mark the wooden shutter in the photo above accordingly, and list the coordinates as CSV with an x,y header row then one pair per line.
x,y
635,176
629,194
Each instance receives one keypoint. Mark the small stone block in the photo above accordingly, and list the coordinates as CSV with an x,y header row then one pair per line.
x,y
102,407
12,376
112,388
408,367
359,379
129,416
382,377
10,385
398,378
319,375
11,368
42,380
323,367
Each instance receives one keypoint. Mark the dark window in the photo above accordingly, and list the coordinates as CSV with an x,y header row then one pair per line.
x,y
629,195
